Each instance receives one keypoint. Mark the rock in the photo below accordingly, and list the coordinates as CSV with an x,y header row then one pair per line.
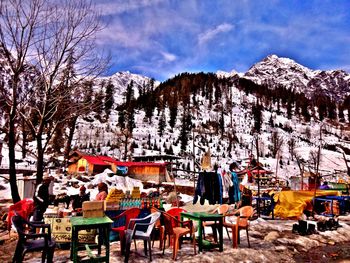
x,y
271,236
90,186
281,248
331,242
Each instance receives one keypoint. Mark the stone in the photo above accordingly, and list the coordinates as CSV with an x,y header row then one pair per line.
x,y
271,236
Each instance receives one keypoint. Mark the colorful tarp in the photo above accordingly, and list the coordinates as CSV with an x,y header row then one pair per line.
x,y
291,204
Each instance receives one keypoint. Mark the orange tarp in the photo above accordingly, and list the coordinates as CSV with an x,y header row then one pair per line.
x,y
291,204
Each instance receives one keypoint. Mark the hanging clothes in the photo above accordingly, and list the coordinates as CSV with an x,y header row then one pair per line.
x,y
226,183
209,186
220,193
234,192
200,190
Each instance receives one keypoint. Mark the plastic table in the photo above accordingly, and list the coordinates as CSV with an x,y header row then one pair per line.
x,y
201,217
103,224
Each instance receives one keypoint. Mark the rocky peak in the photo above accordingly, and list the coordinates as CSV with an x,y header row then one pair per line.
x,y
274,71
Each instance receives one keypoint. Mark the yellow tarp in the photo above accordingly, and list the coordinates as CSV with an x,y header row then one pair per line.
x,y
291,204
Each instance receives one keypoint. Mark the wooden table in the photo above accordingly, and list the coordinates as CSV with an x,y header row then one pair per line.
x,y
103,224
201,217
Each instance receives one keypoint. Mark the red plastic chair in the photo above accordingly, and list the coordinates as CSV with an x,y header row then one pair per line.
x,y
176,212
128,214
23,208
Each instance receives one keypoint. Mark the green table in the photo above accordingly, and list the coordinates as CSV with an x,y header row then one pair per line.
x,y
103,224
202,217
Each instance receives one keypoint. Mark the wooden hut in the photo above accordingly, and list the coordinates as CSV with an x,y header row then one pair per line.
x,y
80,162
145,171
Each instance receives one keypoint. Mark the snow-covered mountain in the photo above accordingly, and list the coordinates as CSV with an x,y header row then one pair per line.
x,y
121,80
274,71
103,136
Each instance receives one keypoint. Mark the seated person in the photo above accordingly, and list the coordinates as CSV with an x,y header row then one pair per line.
x,y
102,192
80,198
325,186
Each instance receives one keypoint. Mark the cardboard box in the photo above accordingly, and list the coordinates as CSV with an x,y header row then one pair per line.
x,y
93,209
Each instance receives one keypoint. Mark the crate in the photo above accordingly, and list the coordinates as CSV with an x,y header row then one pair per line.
x,y
112,205
93,209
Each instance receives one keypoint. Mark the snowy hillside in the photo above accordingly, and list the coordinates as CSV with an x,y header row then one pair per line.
x,y
239,122
222,120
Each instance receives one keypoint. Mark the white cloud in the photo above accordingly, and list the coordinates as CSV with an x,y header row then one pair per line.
x,y
168,56
121,6
212,33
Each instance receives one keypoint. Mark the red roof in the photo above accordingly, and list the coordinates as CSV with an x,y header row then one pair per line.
x,y
129,164
107,159
95,160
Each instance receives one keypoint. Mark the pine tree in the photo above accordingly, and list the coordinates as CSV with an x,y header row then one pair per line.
x,y
184,134
257,115
173,115
109,98
121,119
161,124
222,123
98,103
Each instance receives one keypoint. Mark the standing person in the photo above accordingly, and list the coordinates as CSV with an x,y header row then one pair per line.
x,y
102,192
41,199
234,191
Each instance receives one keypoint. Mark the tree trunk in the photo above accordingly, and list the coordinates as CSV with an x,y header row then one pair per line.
x,y
40,160
68,147
12,144
125,148
12,164
24,139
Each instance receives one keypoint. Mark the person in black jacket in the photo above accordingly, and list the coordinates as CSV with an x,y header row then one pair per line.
x,y
80,198
41,199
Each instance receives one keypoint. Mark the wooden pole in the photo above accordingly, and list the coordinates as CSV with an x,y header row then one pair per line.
x,y
257,161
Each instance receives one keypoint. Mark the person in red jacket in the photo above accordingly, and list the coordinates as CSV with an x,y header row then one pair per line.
x,y
102,192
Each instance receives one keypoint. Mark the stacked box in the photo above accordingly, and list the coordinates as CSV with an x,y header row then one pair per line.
x,y
113,199
93,209
115,195
136,194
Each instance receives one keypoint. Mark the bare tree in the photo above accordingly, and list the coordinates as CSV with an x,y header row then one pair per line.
x,y
59,45
277,142
18,20
291,147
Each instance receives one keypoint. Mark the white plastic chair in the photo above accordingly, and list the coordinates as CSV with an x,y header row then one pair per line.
x,y
141,228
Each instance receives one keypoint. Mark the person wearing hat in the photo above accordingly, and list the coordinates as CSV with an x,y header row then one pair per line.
x,y
41,198
80,198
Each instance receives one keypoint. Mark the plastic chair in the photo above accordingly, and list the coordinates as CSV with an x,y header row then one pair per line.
x,y
32,242
141,228
127,215
158,227
222,209
23,208
176,229
176,212
239,223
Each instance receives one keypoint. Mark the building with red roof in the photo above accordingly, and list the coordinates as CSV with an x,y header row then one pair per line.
x,y
80,162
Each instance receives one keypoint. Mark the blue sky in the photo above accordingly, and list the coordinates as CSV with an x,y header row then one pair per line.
x,y
162,38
